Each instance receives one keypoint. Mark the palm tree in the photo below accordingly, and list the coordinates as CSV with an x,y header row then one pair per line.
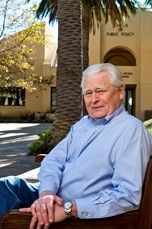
x,y
75,19
148,2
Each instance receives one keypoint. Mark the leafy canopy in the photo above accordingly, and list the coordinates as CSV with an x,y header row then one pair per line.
x,y
20,33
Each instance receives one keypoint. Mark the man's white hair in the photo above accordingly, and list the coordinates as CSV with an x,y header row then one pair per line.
x,y
115,76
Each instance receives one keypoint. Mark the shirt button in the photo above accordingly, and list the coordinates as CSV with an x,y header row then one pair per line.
x,y
81,143
85,214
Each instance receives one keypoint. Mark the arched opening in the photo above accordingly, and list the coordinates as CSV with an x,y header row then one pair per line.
x,y
120,57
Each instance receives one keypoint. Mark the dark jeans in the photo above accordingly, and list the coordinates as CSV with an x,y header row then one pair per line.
x,y
16,192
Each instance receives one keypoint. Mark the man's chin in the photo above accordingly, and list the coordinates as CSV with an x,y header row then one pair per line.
x,y
98,116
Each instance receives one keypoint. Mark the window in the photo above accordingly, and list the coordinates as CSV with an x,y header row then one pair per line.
x,y
53,96
12,96
53,99
129,102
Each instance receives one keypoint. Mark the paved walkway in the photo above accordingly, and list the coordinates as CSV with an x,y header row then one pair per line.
x,y
15,139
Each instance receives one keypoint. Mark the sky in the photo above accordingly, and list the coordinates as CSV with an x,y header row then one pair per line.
x,y
53,29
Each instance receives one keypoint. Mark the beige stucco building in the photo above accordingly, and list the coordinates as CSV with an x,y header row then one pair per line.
x,y
129,48
37,100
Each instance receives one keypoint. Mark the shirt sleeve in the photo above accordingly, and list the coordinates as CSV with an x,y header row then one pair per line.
x,y
53,165
129,165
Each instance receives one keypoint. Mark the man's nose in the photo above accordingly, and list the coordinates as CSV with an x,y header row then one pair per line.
x,y
95,97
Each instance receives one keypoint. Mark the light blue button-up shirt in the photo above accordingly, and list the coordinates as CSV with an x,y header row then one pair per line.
x,y
101,165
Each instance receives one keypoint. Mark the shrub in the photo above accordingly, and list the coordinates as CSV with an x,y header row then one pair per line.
x,y
30,116
148,125
42,145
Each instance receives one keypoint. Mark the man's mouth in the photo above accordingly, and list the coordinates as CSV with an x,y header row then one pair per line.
x,y
97,107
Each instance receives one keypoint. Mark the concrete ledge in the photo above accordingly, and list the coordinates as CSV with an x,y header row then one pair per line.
x,y
31,175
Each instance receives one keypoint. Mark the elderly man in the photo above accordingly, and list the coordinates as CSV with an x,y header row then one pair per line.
x,y
98,169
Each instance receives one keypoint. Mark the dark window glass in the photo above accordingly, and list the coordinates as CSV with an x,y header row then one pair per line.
x,y
53,96
129,102
53,99
12,96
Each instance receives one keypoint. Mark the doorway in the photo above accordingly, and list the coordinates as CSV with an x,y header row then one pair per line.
x,y
129,101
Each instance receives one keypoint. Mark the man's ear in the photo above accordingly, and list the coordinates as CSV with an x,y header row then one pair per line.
x,y
122,92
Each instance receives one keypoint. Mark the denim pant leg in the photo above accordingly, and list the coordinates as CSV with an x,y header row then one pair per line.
x,y
15,193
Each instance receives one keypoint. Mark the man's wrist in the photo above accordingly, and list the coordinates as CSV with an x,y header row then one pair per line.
x,y
74,212
70,209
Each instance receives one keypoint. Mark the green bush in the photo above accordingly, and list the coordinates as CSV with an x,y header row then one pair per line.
x,y
42,145
148,125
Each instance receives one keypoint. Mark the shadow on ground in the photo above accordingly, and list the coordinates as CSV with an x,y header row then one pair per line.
x,y
15,139
16,165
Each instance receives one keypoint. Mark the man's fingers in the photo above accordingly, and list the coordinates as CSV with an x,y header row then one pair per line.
x,y
59,201
43,211
38,212
44,214
33,223
25,210
33,210
50,210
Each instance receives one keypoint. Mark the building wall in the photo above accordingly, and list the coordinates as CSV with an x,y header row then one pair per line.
x,y
134,37
146,63
39,100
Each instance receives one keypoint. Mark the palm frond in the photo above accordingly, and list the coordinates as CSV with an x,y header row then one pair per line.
x,y
148,2
47,8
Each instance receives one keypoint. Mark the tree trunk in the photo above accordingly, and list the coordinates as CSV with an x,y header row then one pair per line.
x,y
86,32
70,68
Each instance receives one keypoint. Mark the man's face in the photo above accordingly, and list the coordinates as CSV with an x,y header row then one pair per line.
x,y
101,98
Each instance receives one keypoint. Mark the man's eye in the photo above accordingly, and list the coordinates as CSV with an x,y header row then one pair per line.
x,y
100,91
88,93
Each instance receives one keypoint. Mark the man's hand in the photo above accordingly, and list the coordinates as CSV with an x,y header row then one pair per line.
x,y
45,210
